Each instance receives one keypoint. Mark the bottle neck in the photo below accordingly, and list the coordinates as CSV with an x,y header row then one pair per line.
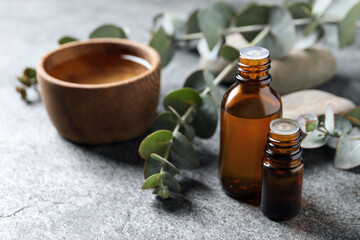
x,y
254,71
284,150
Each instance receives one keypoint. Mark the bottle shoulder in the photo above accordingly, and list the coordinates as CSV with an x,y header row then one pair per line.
x,y
252,101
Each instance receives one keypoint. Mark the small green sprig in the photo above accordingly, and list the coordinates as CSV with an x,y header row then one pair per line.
x,y
27,81
335,131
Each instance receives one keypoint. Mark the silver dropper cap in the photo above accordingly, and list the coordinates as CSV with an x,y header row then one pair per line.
x,y
284,126
254,53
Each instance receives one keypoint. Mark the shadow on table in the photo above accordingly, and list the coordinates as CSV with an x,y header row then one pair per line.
x,y
316,221
123,152
181,204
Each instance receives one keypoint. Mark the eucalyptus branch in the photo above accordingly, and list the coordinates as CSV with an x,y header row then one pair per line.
x,y
255,28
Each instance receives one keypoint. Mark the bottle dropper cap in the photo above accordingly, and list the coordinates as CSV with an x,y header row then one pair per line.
x,y
254,53
284,126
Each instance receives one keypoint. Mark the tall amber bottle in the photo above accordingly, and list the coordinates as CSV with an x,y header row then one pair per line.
x,y
247,109
282,171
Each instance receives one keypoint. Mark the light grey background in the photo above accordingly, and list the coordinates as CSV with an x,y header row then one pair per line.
x,y
53,189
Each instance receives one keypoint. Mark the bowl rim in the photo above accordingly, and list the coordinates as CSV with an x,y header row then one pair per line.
x,y
155,63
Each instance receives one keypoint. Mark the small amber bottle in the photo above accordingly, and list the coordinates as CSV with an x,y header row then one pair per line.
x,y
282,171
246,112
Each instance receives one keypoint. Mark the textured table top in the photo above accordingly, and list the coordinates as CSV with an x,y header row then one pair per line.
x,y
53,189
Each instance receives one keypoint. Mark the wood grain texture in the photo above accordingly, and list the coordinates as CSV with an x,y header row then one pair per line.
x,y
101,113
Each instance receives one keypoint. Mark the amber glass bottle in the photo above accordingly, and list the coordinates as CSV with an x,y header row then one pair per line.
x,y
246,112
282,171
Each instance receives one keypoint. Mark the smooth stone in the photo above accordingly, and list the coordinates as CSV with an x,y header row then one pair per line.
x,y
300,69
314,102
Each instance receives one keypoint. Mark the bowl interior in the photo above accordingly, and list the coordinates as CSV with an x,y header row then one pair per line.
x,y
100,61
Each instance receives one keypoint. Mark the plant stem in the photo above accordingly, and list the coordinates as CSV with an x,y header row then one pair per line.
x,y
254,28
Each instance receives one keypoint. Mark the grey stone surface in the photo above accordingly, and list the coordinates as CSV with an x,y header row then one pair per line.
x,y
53,189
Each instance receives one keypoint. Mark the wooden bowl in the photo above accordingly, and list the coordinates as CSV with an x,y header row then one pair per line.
x,y
100,113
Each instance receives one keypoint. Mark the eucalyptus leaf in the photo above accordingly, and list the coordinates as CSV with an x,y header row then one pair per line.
x,y
185,128
108,31
226,10
347,27
22,92
171,182
151,167
163,192
153,181
314,139
160,159
183,152
192,23
182,99
204,51
341,123
214,91
156,142
281,37
166,120
353,115
229,53
163,44
304,41
211,24
164,20
330,119
67,39
201,79
299,10
320,6
253,14
347,152
308,122
206,118
196,81
332,141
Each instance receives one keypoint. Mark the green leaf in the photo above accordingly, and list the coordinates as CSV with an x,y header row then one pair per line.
x,y
192,23
253,14
166,162
320,6
281,37
226,10
182,99
151,167
164,20
22,92
30,72
163,192
308,122
353,115
211,24
201,79
196,81
347,27
185,127
156,142
153,181
171,182
311,125
314,139
166,120
206,118
214,91
330,119
66,39
304,41
229,53
341,123
347,152
299,10
108,31
183,152
163,44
